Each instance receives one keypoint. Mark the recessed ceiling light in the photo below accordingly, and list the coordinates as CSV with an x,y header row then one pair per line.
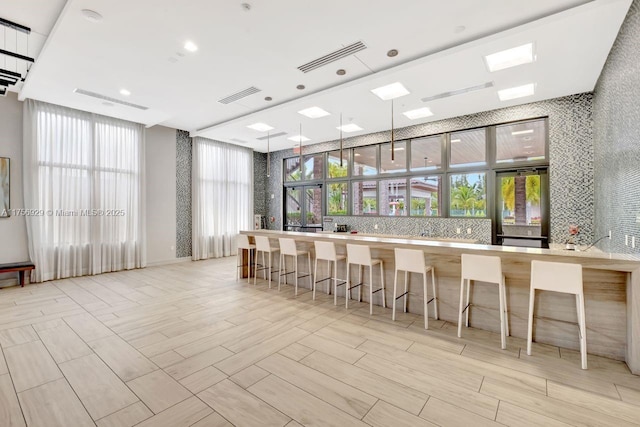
x,y
91,15
300,87
190,46
522,132
314,112
351,127
299,138
341,72
418,113
516,92
510,58
392,91
260,127
455,140
392,53
268,98
124,92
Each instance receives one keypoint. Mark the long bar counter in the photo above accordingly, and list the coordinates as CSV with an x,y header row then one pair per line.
x,y
611,286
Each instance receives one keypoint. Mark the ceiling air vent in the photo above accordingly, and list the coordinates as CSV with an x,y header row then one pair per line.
x,y
239,95
458,92
239,141
273,135
108,98
333,56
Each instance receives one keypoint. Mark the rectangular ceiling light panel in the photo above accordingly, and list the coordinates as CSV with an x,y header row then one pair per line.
x,y
332,57
314,112
392,91
516,92
510,58
418,113
260,127
351,127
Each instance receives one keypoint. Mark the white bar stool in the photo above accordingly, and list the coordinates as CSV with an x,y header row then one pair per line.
x,y
412,261
361,255
326,251
264,245
483,269
243,244
288,248
559,277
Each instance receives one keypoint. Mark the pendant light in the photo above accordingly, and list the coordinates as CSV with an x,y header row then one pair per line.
x,y
393,152
301,171
341,140
268,155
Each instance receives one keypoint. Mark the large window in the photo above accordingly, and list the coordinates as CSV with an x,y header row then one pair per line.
x,y
86,189
425,193
444,175
468,194
364,198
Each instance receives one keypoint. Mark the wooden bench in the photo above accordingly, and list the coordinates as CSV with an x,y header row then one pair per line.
x,y
20,267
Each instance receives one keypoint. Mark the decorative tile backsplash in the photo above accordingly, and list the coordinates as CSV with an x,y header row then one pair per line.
x,y
183,194
431,227
617,140
571,172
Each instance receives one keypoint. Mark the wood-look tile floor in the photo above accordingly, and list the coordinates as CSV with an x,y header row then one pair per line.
x,y
188,345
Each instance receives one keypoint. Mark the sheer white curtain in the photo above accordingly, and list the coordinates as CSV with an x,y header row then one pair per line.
x,y
222,197
84,178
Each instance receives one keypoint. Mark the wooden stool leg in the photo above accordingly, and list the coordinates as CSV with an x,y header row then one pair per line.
x,y
532,297
21,274
461,308
406,288
583,329
435,295
425,299
395,292
384,290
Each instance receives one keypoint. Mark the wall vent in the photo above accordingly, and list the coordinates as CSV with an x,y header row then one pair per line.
x,y
458,92
239,95
108,98
273,135
333,56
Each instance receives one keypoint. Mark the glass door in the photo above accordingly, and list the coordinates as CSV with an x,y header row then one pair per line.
x,y
303,208
522,208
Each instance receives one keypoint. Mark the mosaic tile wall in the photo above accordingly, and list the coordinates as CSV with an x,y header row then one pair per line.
x,y
617,140
260,183
570,171
183,194
436,227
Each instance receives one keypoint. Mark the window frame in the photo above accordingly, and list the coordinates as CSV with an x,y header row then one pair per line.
x,y
444,172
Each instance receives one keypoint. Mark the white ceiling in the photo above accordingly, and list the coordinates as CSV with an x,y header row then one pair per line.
x,y
131,47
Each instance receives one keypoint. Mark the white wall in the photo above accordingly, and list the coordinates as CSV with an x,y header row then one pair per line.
x,y
13,230
161,194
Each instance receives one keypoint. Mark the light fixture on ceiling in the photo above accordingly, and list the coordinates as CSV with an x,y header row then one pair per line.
x,y
418,113
392,53
351,127
125,92
12,77
341,72
260,127
268,98
91,15
300,87
516,92
190,46
299,138
392,91
393,156
314,112
513,57
341,145
522,132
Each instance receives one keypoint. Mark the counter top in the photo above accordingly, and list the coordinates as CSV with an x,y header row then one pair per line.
x,y
426,242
